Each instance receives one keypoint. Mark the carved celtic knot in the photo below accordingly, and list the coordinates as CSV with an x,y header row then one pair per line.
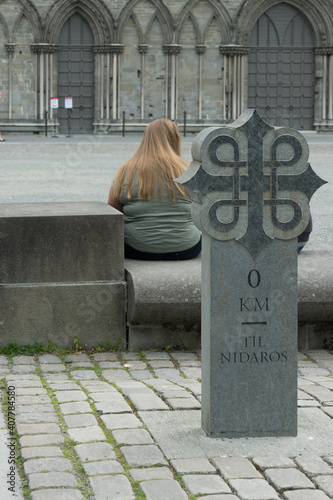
x,y
250,182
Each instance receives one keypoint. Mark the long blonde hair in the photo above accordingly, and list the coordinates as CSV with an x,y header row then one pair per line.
x,y
157,161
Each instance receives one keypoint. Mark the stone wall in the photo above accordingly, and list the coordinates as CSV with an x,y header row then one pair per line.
x,y
153,58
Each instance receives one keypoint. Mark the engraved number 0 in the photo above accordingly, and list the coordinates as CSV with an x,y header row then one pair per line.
x,y
254,281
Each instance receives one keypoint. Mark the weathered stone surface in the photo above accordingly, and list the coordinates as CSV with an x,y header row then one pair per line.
x,y
81,420
95,451
308,494
273,462
205,484
144,455
287,479
105,487
87,434
235,468
41,440
312,465
121,421
103,467
132,436
151,473
52,479
67,396
57,494
47,465
41,451
193,466
77,407
254,489
34,418
40,428
166,489
325,483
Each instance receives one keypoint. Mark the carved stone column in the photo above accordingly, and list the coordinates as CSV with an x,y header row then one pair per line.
x,y
172,50
10,47
233,81
143,49
44,81
325,55
116,49
201,49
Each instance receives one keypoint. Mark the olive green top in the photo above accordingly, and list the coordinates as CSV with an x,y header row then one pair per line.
x,y
158,226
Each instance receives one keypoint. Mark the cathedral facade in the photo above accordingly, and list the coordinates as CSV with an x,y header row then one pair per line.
x,y
90,64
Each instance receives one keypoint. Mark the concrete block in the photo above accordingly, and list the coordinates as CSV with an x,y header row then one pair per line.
x,y
60,242
57,312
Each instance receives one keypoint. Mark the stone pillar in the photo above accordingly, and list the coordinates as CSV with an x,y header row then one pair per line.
x,y
104,55
44,82
172,50
250,184
201,49
10,47
325,54
233,85
116,49
143,49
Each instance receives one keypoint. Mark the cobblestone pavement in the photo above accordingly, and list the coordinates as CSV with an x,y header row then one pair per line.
x,y
81,433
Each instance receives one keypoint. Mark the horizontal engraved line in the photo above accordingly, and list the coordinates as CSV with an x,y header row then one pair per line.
x,y
255,323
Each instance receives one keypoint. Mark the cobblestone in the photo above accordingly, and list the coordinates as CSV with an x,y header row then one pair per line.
x,y
286,479
111,487
52,479
121,402
254,489
204,484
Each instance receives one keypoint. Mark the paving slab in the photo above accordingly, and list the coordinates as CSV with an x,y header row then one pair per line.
x,y
254,489
91,452
313,466
103,467
87,434
57,494
193,466
144,455
204,484
77,407
325,483
111,487
41,451
47,465
34,418
51,479
167,489
287,479
80,420
179,434
132,436
121,421
41,440
305,494
151,473
40,428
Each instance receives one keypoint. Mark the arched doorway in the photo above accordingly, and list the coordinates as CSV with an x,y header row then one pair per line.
x,y
281,68
76,76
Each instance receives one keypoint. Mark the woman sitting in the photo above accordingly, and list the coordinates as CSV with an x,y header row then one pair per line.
x,y
158,223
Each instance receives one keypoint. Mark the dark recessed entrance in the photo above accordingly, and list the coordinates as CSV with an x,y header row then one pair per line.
x,y
281,68
76,76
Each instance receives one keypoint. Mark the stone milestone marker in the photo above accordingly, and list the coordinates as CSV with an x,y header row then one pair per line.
x,y
250,184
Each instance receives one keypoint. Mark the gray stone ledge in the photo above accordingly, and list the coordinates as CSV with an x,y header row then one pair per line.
x,y
164,301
